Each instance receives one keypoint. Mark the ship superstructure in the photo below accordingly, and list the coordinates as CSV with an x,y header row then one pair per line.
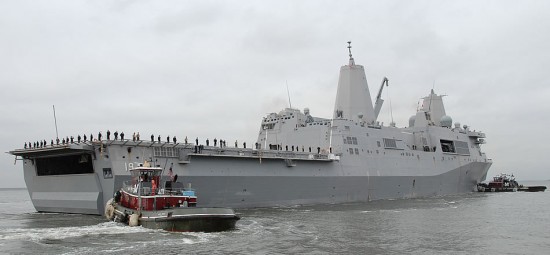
x,y
297,159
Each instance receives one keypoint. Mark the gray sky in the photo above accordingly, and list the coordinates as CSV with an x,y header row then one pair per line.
x,y
215,68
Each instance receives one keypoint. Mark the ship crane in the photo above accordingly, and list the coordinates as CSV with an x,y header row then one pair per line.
x,y
379,100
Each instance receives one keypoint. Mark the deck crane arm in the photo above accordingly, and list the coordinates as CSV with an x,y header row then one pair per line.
x,y
379,100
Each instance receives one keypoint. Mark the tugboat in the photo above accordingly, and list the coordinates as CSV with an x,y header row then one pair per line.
x,y
506,183
141,202
500,183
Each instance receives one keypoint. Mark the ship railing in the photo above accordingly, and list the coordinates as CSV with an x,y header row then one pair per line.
x,y
257,153
476,134
177,191
133,188
145,189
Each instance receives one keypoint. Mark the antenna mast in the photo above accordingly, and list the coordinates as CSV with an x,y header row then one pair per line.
x,y
288,93
392,123
55,120
351,61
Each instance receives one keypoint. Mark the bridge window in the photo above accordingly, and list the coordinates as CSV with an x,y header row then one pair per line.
x,y
447,146
462,148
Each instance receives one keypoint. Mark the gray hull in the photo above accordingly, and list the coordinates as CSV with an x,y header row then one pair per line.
x,y
242,182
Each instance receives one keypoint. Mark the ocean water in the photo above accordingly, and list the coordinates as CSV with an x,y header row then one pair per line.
x,y
474,223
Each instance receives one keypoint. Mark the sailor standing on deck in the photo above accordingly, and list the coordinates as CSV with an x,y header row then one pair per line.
x,y
116,135
108,134
152,138
121,135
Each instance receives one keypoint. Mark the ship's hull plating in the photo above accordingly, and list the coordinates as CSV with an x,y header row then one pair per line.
x,y
87,193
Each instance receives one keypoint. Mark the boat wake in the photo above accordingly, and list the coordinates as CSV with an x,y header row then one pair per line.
x,y
50,235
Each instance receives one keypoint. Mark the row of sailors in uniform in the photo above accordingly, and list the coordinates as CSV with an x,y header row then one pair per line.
x,y
279,147
136,137
44,143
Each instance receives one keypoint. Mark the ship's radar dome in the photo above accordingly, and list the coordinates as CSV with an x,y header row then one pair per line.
x,y
457,125
411,120
306,111
446,121
360,115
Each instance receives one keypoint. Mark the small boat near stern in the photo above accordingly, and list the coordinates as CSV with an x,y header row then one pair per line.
x,y
506,183
142,202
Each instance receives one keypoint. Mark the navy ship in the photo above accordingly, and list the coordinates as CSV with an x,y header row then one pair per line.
x,y
297,159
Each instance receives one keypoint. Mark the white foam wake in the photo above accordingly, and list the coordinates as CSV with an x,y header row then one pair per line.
x,y
38,234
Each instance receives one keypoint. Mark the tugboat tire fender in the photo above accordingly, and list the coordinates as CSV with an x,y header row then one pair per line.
x,y
109,210
134,220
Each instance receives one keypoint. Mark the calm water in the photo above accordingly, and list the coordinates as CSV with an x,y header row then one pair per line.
x,y
476,223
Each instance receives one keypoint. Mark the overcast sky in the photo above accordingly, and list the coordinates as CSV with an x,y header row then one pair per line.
x,y
213,69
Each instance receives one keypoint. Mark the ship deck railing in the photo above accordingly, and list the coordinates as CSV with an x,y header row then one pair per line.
x,y
184,150
256,154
